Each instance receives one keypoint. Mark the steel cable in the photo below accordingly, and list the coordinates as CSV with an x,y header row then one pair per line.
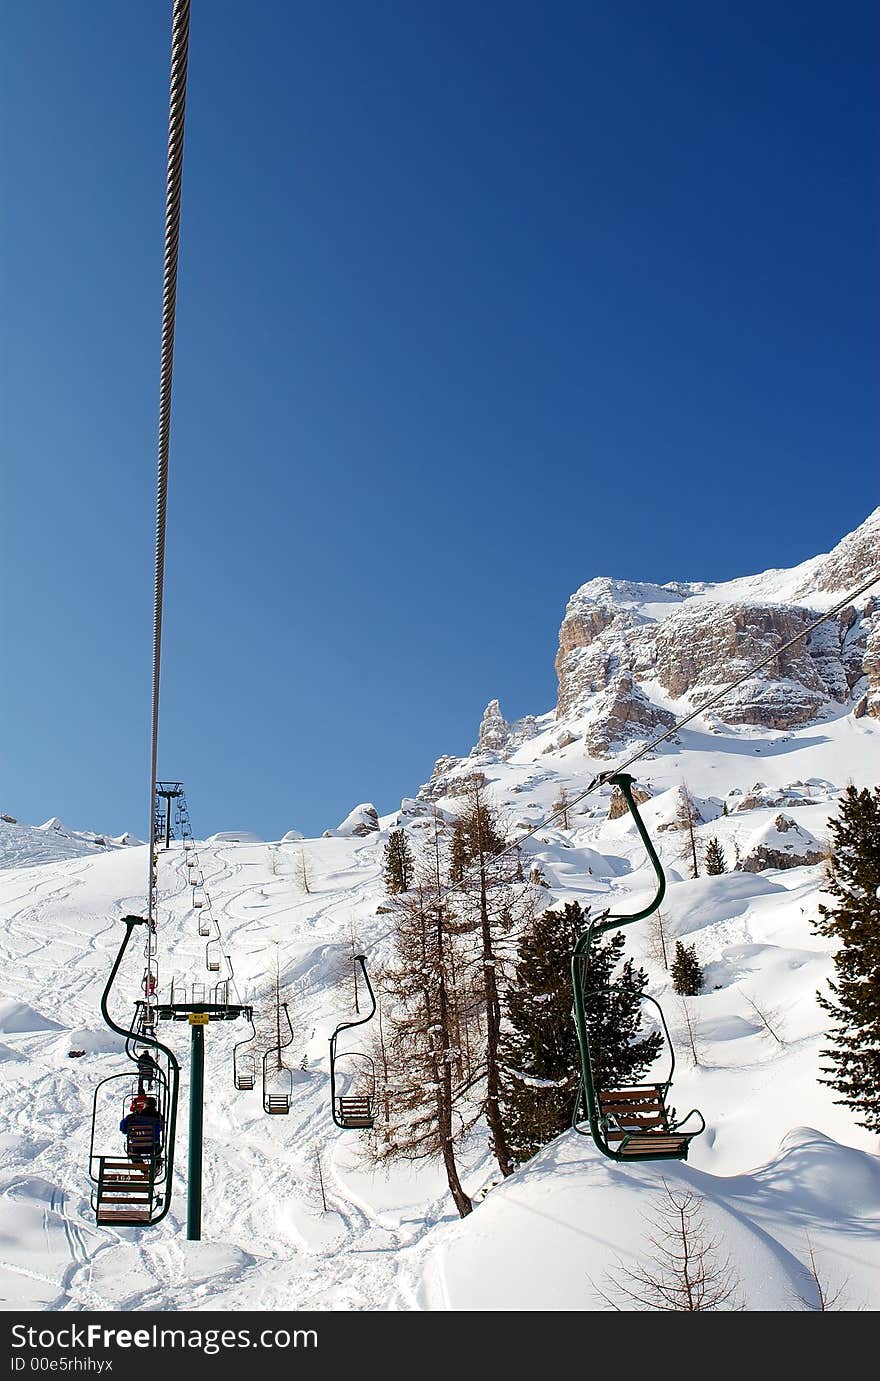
x,y
174,180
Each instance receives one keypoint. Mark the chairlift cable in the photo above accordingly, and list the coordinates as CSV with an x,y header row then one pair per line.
x,y
174,182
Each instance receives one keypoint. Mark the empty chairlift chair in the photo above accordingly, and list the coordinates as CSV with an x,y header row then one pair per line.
x,y
354,1108
627,1122
213,956
277,1078
244,1065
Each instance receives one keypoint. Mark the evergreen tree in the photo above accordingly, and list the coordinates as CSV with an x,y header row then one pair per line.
x,y
853,1067
539,1047
459,856
398,863
425,1114
715,861
687,816
687,976
485,909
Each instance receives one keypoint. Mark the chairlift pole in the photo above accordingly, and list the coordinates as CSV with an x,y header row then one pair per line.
x,y
278,1009
197,1023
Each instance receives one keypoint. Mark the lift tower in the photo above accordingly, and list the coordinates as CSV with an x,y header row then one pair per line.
x,y
167,791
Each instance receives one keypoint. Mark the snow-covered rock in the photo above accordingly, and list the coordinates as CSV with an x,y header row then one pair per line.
x,y
360,822
494,729
235,837
688,640
782,843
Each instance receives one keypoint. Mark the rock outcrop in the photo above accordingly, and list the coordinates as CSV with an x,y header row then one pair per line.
x,y
494,730
360,822
622,643
618,804
781,844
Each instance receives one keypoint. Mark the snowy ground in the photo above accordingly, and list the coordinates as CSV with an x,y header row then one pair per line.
x,y
780,1166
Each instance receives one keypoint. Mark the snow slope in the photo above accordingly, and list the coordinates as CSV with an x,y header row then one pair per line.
x,y
780,1166
22,846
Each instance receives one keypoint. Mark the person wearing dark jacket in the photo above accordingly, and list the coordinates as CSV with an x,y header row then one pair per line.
x,y
147,1070
143,1131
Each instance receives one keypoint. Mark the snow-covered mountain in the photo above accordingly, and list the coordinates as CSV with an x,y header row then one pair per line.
x,y
628,652
782,1170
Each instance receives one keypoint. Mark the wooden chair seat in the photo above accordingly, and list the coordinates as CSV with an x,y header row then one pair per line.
x,y
123,1215
356,1110
637,1109
142,1143
654,1147
277,1103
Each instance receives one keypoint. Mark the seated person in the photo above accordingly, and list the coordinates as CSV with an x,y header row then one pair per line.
x,y
147,1070
143,1131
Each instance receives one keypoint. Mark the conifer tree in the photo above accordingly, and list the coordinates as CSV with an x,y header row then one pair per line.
x,y
687,976
687,816
853,1059
715,861
485,909
458,853
398,863
425,1117
539,1048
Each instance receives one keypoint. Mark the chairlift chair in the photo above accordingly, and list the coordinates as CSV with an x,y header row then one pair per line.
x,y
132,1184
278,1084
354,1109
631,1122
244,1066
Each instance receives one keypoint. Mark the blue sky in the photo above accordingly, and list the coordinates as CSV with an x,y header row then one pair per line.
x,y
476,302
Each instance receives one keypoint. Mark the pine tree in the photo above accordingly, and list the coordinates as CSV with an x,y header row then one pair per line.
x,y
715,861
687,976
687,816
458,853
398,863
485,909
853,1067
539,1047
425,1116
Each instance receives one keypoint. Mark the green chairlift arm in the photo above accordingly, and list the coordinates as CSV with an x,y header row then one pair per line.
x,y
606,921
130,922
623,781
346,1026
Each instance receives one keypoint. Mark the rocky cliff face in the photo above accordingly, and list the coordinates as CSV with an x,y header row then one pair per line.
x,y
625,648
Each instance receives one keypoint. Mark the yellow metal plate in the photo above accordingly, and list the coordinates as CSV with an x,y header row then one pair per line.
x,y
199,1018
